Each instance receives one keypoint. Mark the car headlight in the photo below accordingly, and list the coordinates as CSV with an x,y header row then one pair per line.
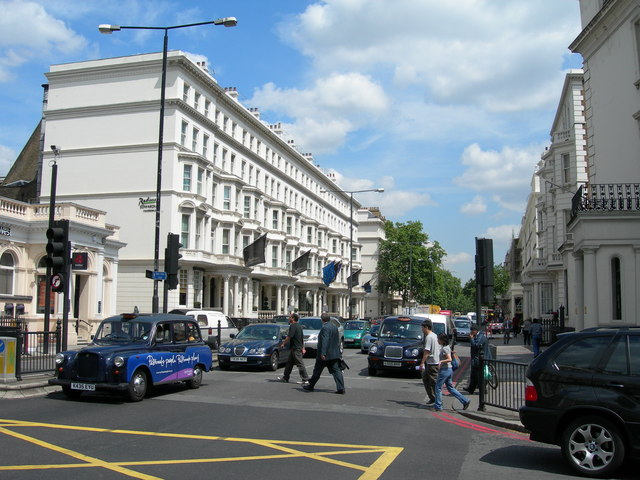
x,y
225,349
258,351
412,353
59,358
358,335
118,361
373,349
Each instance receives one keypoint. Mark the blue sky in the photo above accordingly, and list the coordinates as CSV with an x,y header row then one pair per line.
x,y
447,104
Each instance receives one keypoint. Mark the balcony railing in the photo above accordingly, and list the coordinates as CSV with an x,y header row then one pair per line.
x,y
606,197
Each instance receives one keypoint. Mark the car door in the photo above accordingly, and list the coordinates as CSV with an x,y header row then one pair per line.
x,y
162,360
569,380
617,379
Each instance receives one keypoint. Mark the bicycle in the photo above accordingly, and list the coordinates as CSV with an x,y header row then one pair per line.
x,y
490,375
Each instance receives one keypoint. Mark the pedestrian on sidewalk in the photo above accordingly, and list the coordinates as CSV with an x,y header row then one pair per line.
x,y
430,361
445,375
478,342
526,331
536,336
328,355
295,338
506,331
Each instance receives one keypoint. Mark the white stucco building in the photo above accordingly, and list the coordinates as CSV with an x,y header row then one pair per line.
x,y
92,286
227,179
604,226
371,234
560,172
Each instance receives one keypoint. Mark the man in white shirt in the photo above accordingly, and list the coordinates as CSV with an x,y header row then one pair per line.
x,y
429,363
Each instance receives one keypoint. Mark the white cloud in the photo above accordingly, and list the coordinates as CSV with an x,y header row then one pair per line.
x,y
503,56
457,258
502,234
328,111
475,206
7,157
505,174
392,202
45,34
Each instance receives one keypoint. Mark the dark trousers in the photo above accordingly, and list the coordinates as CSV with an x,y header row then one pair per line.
x,y
429,379
527,337
334,369
537,340
473,377
295,358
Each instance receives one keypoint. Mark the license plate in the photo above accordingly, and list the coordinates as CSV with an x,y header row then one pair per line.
x,y
392,364
238,359
349,340
83,386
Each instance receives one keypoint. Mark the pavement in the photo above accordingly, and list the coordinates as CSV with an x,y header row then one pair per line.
x,y
35,385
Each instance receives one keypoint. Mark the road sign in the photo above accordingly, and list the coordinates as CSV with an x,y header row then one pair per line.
x,y
56,282
156,275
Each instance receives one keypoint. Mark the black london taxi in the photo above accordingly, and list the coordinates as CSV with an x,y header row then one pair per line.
x,y
398,347
132,352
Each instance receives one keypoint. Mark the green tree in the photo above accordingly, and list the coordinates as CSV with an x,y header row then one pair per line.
x,y
411,265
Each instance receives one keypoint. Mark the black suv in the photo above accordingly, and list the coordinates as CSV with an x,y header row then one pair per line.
x,y
583,393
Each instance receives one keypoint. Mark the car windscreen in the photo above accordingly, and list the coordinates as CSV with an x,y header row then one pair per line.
x,y
397,329
259,332
310,323
119,331
375,329
354,326
463,324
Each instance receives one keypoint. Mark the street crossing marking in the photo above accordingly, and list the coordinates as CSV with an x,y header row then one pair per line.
x,y
286,449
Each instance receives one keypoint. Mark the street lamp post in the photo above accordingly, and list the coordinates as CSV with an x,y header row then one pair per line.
x,y
108,29
351,192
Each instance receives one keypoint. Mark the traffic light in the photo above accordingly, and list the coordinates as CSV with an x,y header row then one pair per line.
x,y
171,257
484,269
58,254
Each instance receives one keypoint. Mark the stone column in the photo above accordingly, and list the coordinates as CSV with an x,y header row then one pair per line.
x,y
590,288
225,295
579,282
278,289
245,297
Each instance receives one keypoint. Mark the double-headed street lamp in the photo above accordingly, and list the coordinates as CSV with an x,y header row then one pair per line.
x,y
108,29
351,192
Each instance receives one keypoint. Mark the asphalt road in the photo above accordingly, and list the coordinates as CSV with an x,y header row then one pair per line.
x,y
247,425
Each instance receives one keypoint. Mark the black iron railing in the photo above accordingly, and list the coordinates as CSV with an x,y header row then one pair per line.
x,y
502,384
606,197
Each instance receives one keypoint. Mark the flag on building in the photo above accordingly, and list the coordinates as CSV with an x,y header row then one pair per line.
x,y
300,264
367,286
354,279
254,253
330,272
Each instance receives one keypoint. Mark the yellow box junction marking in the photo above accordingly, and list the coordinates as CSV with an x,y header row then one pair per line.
x,y
285,448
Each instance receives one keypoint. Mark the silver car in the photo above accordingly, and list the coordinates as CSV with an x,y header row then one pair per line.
x,y
369,338
311,329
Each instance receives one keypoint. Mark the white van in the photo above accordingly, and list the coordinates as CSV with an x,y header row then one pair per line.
x,y
208,322
441,323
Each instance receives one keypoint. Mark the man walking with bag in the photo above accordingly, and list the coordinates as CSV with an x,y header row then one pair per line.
x,y
328,355
296,338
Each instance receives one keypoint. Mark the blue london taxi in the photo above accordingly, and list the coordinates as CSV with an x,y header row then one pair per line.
x,y
132,352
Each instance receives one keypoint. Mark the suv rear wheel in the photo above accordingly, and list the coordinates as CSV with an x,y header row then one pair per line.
x,y
593,446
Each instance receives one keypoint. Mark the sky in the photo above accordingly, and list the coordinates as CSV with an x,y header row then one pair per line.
x,y
446,104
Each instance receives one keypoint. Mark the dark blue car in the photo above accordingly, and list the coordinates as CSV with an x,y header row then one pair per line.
x,y
257,345
398,347
132,352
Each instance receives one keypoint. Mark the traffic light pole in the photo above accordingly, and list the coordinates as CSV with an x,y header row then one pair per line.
x,y
47,289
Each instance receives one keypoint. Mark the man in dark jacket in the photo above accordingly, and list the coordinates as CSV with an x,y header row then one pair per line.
x,y
328,355
296,339
478,342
